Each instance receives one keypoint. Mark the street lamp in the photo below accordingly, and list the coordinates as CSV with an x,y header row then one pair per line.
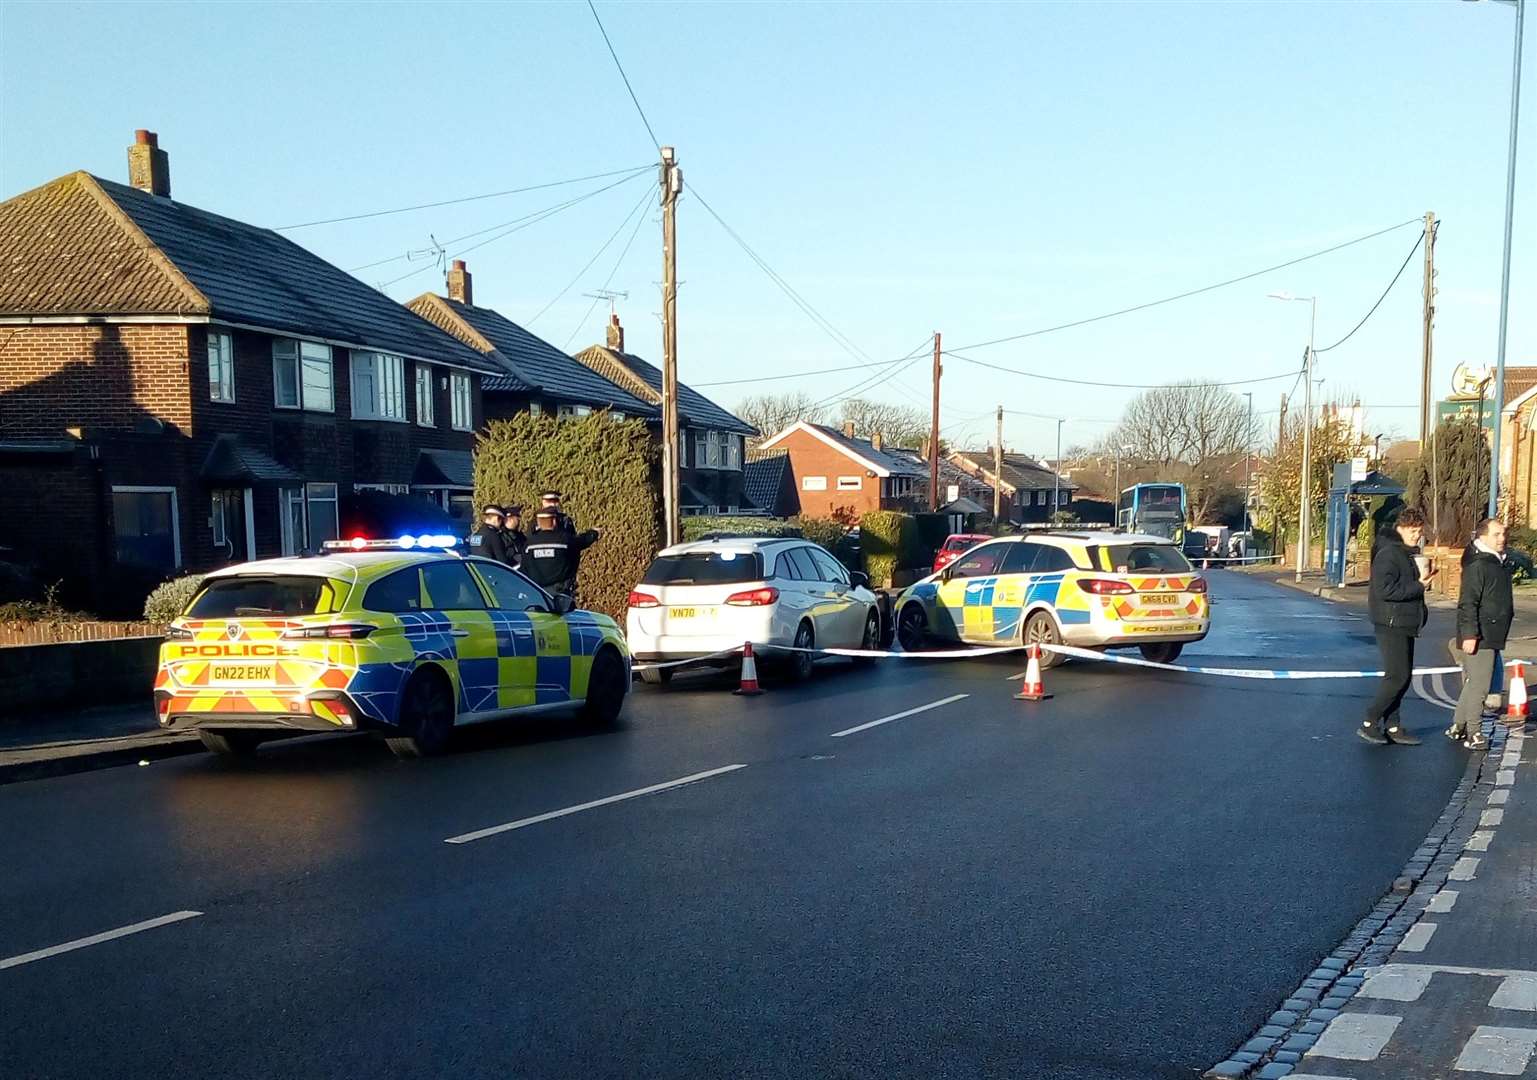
x,y
1510,195
1304,523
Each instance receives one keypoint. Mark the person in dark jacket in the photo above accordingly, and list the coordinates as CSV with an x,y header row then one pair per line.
x,y
554,554
1485,610
1397,603
512,531
490,538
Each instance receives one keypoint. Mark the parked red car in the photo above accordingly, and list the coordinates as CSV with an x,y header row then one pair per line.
x,y
956,545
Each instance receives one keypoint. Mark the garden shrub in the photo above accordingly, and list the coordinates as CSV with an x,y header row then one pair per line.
x,y
890,542
702,525
170,599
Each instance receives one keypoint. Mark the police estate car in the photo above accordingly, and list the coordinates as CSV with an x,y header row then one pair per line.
x,y
404,638
1090,589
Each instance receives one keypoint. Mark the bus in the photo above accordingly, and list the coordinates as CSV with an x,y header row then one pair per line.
x,y
1153,509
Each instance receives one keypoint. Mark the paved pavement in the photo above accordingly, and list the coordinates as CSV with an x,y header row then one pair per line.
x,y
1122,882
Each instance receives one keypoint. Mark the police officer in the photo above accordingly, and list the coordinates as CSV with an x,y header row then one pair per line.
x,y
512,530
550,500
553,553
490,538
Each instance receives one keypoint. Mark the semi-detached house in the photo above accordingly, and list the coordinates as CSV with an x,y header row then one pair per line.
x,y
180,390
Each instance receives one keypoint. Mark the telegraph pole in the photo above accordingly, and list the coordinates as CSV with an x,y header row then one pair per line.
x,y
672,187
1429,293
998,469
934,434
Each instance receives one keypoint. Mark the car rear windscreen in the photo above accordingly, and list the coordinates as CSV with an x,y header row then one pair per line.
x,y
705,568
260,597
961,543
1133,558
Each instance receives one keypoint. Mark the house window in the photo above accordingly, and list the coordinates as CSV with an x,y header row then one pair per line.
x,y
378,386
813,483
569,412
301,375
733,452
308,516
616,416
463,415
221,367
424,396
1063,496
145,527
850,483
388,489
535,409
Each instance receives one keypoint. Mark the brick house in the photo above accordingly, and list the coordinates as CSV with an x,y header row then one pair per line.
x,y
180,390
713,440
535,376
1027,484
837,471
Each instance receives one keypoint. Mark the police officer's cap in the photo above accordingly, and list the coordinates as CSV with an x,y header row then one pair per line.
x,y
492,508
551,495
514,511
546,512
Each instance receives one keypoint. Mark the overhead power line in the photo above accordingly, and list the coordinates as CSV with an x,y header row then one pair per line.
x,y
1109,385
465,199
577,329
596,255
654,140
889,371
1380,299
1190,292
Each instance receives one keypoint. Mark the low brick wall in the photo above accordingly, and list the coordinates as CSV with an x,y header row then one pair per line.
x,y
34,677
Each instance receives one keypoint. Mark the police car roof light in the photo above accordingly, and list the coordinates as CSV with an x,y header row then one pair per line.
x,y
440,541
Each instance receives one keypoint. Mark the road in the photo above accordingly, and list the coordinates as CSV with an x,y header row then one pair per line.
x,y
1121,882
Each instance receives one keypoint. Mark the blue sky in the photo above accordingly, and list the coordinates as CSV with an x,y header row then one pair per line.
x,y
980,169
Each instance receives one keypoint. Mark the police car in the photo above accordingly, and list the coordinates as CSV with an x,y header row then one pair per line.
x,y
402,637
1089,589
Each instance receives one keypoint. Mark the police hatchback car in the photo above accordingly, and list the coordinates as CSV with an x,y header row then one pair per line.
x,y
403,638
1090,589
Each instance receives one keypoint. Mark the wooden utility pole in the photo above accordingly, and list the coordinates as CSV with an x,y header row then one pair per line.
x,y
934,434
1429,293
1280,438
672,187
998,469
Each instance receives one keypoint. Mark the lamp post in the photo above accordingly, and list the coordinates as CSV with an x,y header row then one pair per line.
x,y
1248,445
1510,196
1304,522
1056,480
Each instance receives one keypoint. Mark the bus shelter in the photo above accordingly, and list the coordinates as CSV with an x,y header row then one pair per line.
x,y
1352,498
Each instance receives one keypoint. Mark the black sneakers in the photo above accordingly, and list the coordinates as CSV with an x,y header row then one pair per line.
x,y
1371,732
1400,736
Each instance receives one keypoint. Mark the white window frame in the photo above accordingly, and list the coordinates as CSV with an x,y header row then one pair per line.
x,y
616,416
535,409
851,483
287,496
221,367
461,397
573,412
157,489
733,452
813,483
310,498
426,396
301,355
388,489
378,386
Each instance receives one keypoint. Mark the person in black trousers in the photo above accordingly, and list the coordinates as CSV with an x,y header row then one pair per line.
x,y
1397,603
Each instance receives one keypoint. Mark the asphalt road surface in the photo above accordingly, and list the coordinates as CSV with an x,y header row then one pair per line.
x,y
1121,882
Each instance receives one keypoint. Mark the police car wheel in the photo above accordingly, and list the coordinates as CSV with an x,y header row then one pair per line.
x,y
799,665
912,628
606,686
1041,629
231,744
1163,652
871,639
427,712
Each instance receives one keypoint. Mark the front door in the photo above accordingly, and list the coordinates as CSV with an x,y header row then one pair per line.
x,y
230,525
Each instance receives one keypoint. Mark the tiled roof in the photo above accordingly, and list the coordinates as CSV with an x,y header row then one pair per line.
x,y
233,461
530,363
763,478
694,409
949,473
455,468
1020,472
896,462
81,245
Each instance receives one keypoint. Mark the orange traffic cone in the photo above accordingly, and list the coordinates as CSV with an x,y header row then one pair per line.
x,y
1032,689
1515,700
749,686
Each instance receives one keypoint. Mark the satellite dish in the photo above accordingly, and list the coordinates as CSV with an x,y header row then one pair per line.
x,y
1470,380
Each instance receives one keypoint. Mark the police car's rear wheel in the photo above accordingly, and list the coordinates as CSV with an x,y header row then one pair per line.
x,y
1163,652
1041,629
427,714
232,744
606,686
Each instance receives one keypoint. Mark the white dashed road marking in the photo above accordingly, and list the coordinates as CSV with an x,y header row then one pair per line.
x,y
952,699
1444,900
1418,937
1499,1050
1516,992
1499,797
481,834
1355,1036
1479,841
1463,869
1490,818
97,939
1505,777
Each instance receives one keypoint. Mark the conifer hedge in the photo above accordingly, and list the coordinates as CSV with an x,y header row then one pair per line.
x,y
607,473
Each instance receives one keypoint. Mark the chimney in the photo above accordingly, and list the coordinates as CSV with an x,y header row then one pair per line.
x,y
848,429
615,333
877,442
149,169
460,287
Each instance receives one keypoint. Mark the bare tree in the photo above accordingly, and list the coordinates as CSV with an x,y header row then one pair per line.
x,y
772,413
899,425
1186,424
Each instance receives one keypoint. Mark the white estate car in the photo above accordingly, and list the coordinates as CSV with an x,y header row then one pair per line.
x,y
712,595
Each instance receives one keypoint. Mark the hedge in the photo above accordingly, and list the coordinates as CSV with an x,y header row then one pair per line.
x,y
890,541
171,599
702,525
606,472
819,530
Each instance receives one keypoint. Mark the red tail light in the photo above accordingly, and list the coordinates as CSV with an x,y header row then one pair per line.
x,y
345,631
643,599
1197,585
754,597
1103,586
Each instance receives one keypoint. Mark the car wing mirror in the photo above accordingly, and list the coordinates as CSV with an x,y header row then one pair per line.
x,y
859,579
564,605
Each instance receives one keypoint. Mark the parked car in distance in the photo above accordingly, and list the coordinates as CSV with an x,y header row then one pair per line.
x,y
956,545
711,596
